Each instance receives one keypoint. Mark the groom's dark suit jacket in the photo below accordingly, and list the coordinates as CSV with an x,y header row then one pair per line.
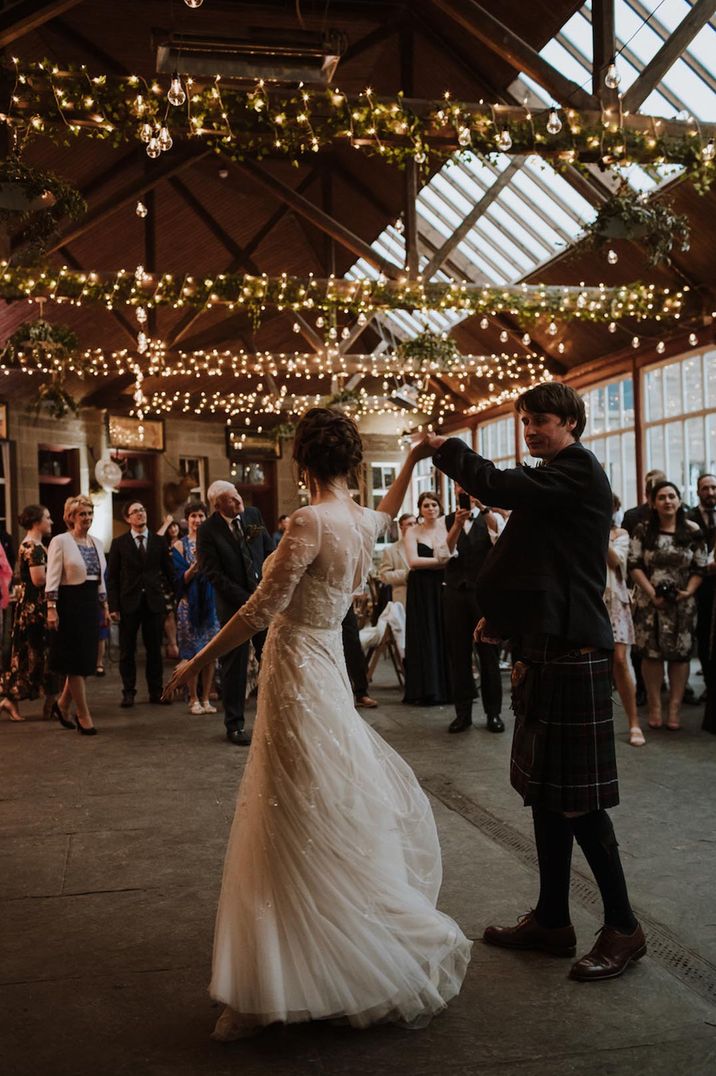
x,y
547,573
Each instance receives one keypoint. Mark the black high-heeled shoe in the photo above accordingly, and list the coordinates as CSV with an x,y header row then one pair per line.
x,y
84,731
64,721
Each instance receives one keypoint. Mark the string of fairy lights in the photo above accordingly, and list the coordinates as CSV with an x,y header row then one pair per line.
x,y
61,100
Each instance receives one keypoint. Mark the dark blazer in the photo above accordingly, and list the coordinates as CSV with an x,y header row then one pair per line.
x,y
694,514
547,573
634,516
461,572
221,561
261,543
129,576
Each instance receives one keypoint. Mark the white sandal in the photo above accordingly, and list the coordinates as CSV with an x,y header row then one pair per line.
x,y
636,737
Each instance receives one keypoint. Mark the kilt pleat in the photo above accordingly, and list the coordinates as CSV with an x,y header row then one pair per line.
x,y
563,754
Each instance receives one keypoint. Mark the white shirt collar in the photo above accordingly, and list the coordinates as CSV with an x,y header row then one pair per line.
x,y
143,533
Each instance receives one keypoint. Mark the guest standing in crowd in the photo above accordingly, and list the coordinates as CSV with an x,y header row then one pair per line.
x,y
225,559
470,539
261,545
74,586
427,679
29,674
280,530
667,558
171,532
704,516
616,597
197,622
139,574
394,568
543,587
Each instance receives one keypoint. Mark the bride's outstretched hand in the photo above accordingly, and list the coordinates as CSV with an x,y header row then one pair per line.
x,y
181,675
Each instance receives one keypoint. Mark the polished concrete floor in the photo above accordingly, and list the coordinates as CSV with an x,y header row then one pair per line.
x,y
110,857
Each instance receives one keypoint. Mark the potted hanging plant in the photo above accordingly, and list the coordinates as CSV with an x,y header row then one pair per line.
x,y
36,201
429,346
655,225
42,346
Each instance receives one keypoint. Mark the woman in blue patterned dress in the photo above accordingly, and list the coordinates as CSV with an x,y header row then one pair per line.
x,y
197,622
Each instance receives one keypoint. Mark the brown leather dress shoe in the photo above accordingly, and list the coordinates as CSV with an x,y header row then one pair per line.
x,y
528,934
611,955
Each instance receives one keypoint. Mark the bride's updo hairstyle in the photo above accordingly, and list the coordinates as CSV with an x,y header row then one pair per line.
x,y
327,445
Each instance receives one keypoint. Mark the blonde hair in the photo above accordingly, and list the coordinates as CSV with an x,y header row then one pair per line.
x,y
73,505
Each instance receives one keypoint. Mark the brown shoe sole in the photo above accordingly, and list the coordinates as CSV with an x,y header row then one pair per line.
x,y
551,950
612,974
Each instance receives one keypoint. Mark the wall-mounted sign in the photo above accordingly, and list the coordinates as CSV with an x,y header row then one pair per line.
x,y
251,446
124,432
3,421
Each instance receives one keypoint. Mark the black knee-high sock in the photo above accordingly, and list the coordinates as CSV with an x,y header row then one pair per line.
x,y
553,837
595,835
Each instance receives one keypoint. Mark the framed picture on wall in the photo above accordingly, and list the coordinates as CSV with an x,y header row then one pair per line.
x,y
125,432
3,421
257,446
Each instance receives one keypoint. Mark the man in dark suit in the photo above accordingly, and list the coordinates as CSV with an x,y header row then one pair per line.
x,y
542,587
641,512
704,516
260,544
462,613
137,567
225,558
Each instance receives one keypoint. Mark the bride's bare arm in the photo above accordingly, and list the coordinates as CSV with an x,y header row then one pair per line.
x,y
395,496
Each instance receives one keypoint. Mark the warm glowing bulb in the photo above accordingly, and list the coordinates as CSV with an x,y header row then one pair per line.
x,y
141,209
504,140
554,123
709,151
193,3
612,77
153,148
612,257
176,95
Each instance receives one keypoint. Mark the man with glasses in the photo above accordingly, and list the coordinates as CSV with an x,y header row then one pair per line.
x,y
138,564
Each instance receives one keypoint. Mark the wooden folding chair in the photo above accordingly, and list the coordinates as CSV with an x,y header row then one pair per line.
x,y
389,646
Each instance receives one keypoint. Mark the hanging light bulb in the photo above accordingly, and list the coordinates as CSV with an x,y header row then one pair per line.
x,y
145,132
527,339
139,274
320,321
176,95
612,326
635,341
554,123
362,319
560,348
141,210
464,137
399,226
612,77
504,140
484,323
153,148
140,314
693,339
193,3
142,343
345,332
165,139
552,328
612,257
296,327
504,337
661,347
709,151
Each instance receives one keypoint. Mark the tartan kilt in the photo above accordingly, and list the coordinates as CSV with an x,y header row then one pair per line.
x,y
563,755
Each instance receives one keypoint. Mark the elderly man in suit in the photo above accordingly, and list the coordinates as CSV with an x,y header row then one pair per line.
x,y
462,612
394,567
224,554
139,571
704,516
542,587
261,544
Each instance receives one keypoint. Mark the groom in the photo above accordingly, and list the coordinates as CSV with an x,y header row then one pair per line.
x,y
541,587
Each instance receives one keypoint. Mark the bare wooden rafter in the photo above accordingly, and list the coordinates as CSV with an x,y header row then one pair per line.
x,y
27,15
701,12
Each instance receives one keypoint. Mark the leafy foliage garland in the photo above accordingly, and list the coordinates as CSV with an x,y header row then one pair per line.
x,y
655,224
41,224
429,347
65,102
51,348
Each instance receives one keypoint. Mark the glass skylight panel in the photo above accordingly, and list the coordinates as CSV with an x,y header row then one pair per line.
x,y
563,60
491,272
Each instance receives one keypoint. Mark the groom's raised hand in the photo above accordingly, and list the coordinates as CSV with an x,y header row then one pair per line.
x,y
429,445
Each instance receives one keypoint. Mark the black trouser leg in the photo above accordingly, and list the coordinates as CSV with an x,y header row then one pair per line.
x,y
258,641
353,652
703,633
152,634
595,835
128,628
234,674
459,621
553,837
638,678
490,679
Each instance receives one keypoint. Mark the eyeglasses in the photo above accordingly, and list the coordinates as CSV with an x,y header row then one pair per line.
x,y
137,511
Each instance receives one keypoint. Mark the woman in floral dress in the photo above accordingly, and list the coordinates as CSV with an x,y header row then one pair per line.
x,y
667,558
29,675
197,622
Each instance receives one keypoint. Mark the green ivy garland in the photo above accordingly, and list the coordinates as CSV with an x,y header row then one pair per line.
x,y
429,347
40,224
51,347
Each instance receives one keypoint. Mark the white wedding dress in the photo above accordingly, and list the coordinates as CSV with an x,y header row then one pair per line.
x,y
333,867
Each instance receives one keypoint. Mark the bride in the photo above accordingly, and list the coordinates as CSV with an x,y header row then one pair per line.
x,y
332,872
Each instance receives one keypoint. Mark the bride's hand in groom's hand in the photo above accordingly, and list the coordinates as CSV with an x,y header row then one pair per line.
x,y
485,634
181,675
427,447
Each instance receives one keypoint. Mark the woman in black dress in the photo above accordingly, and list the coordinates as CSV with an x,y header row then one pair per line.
x,y
75,584
426,669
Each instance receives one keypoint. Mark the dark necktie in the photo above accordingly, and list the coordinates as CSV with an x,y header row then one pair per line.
x,y
141,547
238,533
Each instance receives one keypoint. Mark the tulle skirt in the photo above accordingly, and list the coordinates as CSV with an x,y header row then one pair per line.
x,y
333,867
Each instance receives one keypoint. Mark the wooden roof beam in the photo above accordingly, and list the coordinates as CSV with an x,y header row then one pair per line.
x,y
487,29
118,316
27,15
316,216
238,253
604,47
701,12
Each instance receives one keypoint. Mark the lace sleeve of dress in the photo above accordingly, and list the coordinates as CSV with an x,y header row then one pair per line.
x,y
284,568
